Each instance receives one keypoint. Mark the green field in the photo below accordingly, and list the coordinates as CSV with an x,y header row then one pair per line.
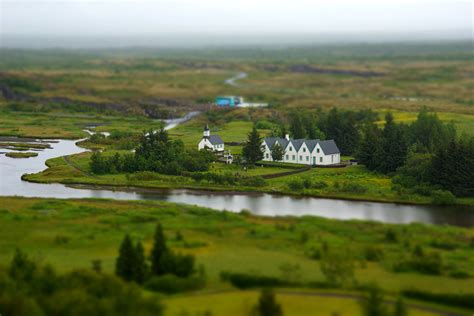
x,y
69,234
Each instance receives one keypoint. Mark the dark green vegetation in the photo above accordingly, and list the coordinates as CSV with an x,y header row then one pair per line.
x,y
31,289
21,154
290,252
154,152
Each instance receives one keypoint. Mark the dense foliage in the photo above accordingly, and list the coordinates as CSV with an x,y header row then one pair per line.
x,y
30,289
253,149
155,152
131,264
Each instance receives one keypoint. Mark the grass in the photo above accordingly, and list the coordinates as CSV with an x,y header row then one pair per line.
x,y
69,234
21,155
374,186
242,302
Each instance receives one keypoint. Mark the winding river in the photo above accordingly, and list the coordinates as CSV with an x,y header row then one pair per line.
x,y
11,184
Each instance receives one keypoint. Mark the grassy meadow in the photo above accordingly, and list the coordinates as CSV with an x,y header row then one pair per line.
x,y
70,234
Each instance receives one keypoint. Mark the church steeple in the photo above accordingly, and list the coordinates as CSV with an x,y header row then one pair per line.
x,y
206,132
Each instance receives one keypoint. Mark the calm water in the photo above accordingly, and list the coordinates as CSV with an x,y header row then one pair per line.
x,y
11,184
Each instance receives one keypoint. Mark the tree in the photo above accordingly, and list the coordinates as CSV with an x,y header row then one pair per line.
x,y
97,163
267,305
277,152
373,303
337,268
393,150
369,148
297,129
21,267
253,148
453,166
159,248
400,308
140,268
125,266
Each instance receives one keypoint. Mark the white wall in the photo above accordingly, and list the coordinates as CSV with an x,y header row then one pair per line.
x,y
304,156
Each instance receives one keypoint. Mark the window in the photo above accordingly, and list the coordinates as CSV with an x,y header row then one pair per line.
x,y
332,158
291,148
293,157
301,157
267,155
317,150
287,157
304,150
307,158
320,159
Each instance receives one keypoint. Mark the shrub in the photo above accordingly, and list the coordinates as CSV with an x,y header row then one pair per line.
x,y
373,253
351,187
456,300
244,281
172,284
442,197
319,185
431,263
459,274
253,182
296,185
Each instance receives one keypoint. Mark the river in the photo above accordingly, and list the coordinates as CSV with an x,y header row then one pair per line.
x,y
11,184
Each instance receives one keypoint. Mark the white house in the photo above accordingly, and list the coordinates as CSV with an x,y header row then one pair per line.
x,y
304,151
211,142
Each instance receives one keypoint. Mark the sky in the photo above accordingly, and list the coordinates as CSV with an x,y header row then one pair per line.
x,y
109,18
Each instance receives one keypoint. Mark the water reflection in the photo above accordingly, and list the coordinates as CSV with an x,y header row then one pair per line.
x,y
11,184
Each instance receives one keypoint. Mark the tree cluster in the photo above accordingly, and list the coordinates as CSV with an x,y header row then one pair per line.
x,y
131,264
31,289
155,152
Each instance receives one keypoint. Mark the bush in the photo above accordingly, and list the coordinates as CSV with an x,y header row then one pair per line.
x,y
244,281
172,284
319,185
351,187
296,185
253,182
431,263
442,197
456,300
372,253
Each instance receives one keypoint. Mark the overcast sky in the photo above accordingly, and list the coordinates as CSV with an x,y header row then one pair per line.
x,y
250,17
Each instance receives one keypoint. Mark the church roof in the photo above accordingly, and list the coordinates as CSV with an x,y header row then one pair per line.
x,y
328,147
215,140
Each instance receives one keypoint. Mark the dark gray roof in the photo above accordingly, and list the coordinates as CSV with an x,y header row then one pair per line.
x,y
297,143
311,143
271,141
216,140
328,147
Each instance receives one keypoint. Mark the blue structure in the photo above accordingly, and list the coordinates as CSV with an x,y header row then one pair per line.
x,y
228,101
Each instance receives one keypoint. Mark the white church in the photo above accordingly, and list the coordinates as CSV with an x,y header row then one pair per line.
x,y
303,151
211,142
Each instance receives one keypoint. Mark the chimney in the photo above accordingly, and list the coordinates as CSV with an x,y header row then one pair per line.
x,y
287,136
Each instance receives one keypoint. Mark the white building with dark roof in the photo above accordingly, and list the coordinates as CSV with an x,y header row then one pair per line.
x,y
303,151
210,142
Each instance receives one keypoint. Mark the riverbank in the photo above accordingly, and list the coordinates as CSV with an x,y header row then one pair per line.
x,y
327,182
70,234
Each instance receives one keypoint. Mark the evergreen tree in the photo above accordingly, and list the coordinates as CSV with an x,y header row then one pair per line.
x,y
21,267
126,262
452,167
393,150
297,129
341,126
277,152
400,309
140,269
253,148
159,248
267,305
373,303
97,163
369,148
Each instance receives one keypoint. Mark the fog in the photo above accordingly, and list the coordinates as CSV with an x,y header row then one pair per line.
x,y
108,23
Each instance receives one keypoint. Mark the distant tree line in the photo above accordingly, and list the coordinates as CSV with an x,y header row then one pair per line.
x,y
424,156
155,152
